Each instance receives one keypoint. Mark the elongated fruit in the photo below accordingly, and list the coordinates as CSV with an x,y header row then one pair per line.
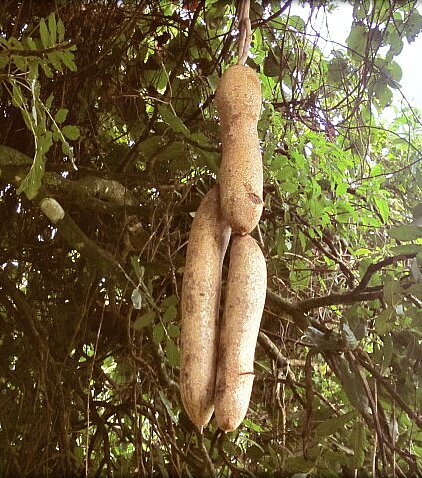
x,y
208,240
245,298
238,101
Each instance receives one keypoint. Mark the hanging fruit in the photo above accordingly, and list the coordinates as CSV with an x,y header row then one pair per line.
x,y
208,240
238,101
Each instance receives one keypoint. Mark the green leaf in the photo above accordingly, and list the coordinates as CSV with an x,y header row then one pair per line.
x,y
333,425
231,448
4,61
271,65
55,59
47,70
298,464
341,189
300,160
150,146
71,132
332,459
49,102
5,43
337,70
60,116
394,72
407,249
136,297
352,386
387,352
60,31
52,26
385,321
383,208
172,353
359,12
377,170
170,314
157,333
289,187
173,330
175,154
28,119
124,371
170,301
392,292
357,41
405,233
169,408
315,208
362,251
31,43
68,59
17,96
413,25
252,425
45,36
66,149
32,182
417,213
144,320
396,44
298,23
383,93
416,290
172,120
15,44
138,269
255,452
358,442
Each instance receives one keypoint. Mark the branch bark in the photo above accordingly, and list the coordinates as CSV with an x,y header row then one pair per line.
x,y
349,297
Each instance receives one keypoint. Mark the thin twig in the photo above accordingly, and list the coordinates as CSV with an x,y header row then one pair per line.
x,y
364,360
272,350
207,458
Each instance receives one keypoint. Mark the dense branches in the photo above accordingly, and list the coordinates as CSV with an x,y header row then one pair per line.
x,y
108,114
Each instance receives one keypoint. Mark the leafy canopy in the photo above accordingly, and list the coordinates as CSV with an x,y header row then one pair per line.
x,y
109,140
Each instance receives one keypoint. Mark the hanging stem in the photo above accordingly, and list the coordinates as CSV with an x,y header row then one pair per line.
x,y
245,32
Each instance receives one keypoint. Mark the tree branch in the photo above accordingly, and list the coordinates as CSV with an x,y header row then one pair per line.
x,y
364,361
372,268
25,313
78,240
278,305
38,53
340,298
273,351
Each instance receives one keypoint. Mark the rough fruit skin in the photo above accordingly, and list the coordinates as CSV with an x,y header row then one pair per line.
x,y
245,299
238,100
208,240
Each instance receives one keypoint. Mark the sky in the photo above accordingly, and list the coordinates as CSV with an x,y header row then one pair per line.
x,y
410,59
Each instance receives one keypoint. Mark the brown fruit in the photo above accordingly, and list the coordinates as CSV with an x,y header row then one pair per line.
x,y
208,240
238,100
245,298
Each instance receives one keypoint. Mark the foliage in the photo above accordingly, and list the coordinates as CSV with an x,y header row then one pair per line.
x,y
108,109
